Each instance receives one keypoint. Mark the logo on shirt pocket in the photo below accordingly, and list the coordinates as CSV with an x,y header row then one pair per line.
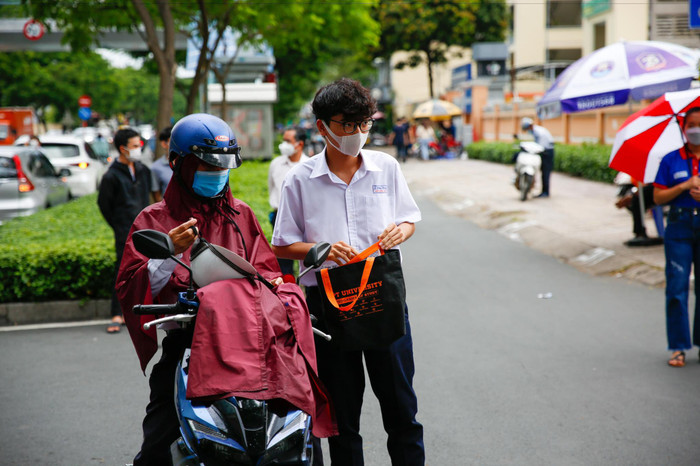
x,y
380,189
678,175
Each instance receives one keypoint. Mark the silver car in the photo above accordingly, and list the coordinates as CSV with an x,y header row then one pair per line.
x,y
75,154
29,182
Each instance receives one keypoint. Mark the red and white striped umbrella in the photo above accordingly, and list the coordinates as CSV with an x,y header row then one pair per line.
x,y
648,135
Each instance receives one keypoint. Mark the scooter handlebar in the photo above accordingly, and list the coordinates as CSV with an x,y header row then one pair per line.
x,y
156,309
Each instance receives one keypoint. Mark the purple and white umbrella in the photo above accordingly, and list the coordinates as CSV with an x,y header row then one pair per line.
x,y
611,75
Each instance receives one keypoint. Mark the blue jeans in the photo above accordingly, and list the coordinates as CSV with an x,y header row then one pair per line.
x,y
391,377
682,247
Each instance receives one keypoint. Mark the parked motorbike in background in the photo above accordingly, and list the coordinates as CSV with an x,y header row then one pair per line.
x,y
232,430
528,161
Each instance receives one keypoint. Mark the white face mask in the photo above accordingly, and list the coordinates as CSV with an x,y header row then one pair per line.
x,y
287,148
135,154
349,144
693,135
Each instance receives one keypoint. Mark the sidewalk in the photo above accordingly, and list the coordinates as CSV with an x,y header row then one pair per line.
x,y
579,224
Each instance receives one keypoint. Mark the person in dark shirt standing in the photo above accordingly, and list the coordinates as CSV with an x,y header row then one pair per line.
x,y
124,192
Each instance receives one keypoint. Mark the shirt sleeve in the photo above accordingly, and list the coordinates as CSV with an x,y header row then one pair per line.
x,y
663,180
406,208
289,224
159,271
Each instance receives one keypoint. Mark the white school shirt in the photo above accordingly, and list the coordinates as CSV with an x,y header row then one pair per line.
x,y
316,205
279,167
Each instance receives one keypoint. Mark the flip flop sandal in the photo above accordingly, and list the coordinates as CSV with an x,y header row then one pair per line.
x,y
678,360
114,327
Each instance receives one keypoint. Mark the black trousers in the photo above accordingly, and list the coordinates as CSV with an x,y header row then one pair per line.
x,y
390,373
161,426
119,244
637,219
547,167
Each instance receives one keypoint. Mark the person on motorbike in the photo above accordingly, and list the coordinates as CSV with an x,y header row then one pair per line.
x,y
544,138
203,149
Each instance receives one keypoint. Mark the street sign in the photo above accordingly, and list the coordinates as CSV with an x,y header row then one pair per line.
x,y
84,113
85,101
694,14
33,30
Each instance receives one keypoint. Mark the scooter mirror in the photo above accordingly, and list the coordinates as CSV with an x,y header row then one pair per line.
x,y
317,255
153,244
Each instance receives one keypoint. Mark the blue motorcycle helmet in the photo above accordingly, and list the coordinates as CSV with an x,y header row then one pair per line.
x,y
208,138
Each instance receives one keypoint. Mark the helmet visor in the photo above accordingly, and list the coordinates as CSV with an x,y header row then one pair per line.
x,y
222,157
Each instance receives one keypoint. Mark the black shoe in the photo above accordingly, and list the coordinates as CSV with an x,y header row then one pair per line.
x,y
643,241
542,195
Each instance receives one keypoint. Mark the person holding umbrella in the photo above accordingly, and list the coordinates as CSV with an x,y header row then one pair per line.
x,y
677,184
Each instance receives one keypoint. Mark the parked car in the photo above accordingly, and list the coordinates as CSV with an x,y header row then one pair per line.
x,y
76,154
29,182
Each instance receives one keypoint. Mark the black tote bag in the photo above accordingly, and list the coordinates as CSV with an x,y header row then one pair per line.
x,y
364,300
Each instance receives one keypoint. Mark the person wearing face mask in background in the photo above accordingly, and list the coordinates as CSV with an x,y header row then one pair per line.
x,y
124,191
292,153
677,184
351,197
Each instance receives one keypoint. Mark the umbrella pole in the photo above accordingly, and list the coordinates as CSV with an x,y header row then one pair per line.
x,y
642,207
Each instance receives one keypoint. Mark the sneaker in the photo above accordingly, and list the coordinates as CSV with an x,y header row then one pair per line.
x,y
542,195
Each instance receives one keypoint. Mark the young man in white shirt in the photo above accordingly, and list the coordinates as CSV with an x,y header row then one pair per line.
x,y
350,198
292,153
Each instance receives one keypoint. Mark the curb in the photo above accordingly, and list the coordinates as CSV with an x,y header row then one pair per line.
x,y
12,314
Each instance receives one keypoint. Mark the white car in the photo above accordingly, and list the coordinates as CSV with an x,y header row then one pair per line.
x,y
75,154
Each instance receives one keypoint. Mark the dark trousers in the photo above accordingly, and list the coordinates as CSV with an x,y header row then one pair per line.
x,y
547,167
161,426
637,219
115,307
391,373
682,248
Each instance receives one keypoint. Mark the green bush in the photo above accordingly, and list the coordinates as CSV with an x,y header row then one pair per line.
x,y
588,161
67,251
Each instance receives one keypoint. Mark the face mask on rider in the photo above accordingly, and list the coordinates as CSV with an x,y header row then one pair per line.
x,y
349,144
693,135
209,184
287,148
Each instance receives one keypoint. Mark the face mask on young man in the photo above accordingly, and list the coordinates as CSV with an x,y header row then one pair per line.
x,y
693,135
287,148
349,144
209,183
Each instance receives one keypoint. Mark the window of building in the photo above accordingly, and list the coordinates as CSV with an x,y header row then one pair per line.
x,y
570,55
598,36
563,13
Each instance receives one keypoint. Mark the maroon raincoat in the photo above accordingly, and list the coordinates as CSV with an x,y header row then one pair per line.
x,y
248,341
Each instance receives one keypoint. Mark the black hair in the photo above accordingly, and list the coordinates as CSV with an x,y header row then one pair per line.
x,y
164,134
121,137
344,96
690,111
300,134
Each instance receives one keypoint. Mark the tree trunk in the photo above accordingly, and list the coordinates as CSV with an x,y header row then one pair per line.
x,y
165,57
430,72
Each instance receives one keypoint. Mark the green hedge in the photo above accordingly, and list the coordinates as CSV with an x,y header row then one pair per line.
x,y
67,251
588,161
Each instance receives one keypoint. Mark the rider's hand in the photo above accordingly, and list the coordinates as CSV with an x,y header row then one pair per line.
x,y
184,235
695,193
341,253
391,236
277,281
692,182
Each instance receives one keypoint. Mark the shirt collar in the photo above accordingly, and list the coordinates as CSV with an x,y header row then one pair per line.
x,y
321,167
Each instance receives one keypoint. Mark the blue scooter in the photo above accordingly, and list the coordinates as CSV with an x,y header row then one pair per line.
x,y
233,430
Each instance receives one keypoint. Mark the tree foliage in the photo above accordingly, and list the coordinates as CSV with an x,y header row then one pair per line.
x,y
428,29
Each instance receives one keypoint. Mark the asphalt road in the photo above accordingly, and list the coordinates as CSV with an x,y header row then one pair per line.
x,y
503,377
